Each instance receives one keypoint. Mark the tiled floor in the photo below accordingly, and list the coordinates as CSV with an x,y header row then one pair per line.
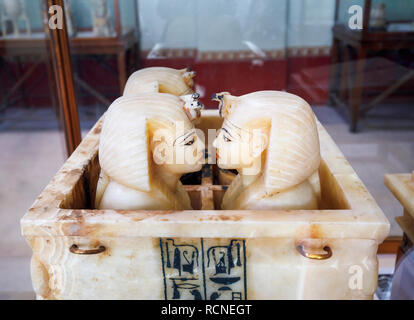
x,y
31,151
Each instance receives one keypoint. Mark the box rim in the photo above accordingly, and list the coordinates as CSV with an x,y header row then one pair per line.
x,y
398,184
363,220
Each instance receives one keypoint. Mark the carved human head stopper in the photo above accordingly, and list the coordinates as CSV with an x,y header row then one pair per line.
x,y
167,80
291,149
132,130
160,79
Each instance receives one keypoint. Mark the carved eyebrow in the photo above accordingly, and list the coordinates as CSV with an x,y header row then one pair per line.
x,y
185,136
228,132
188,134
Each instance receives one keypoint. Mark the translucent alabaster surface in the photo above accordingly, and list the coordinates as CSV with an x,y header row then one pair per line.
x,y
277,136
255,252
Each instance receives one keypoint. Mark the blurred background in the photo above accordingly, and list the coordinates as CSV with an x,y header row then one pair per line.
x,y
355,70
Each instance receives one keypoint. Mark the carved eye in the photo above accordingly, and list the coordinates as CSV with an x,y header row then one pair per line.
x,y
189,143
226,139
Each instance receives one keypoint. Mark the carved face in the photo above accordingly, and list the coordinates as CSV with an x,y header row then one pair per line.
x,y
146,134
273,129
237,147
178,155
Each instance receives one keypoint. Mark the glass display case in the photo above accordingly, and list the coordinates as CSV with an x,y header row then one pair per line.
x,y
105,49
363,29
34,135
384,15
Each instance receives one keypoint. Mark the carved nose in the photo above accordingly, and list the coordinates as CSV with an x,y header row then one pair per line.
x,y
215,143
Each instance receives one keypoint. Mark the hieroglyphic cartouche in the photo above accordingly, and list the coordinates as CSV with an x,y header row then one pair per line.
x,y
203,269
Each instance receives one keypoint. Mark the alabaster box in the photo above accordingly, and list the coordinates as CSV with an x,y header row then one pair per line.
x,y
205,253
402,186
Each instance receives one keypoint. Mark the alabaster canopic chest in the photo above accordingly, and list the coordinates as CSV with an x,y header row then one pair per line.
x,y
205,253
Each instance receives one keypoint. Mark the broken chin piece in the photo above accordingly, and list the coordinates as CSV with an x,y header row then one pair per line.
x,y
192,106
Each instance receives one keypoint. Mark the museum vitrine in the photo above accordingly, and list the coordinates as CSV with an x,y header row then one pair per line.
x,y
246,81
372,44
